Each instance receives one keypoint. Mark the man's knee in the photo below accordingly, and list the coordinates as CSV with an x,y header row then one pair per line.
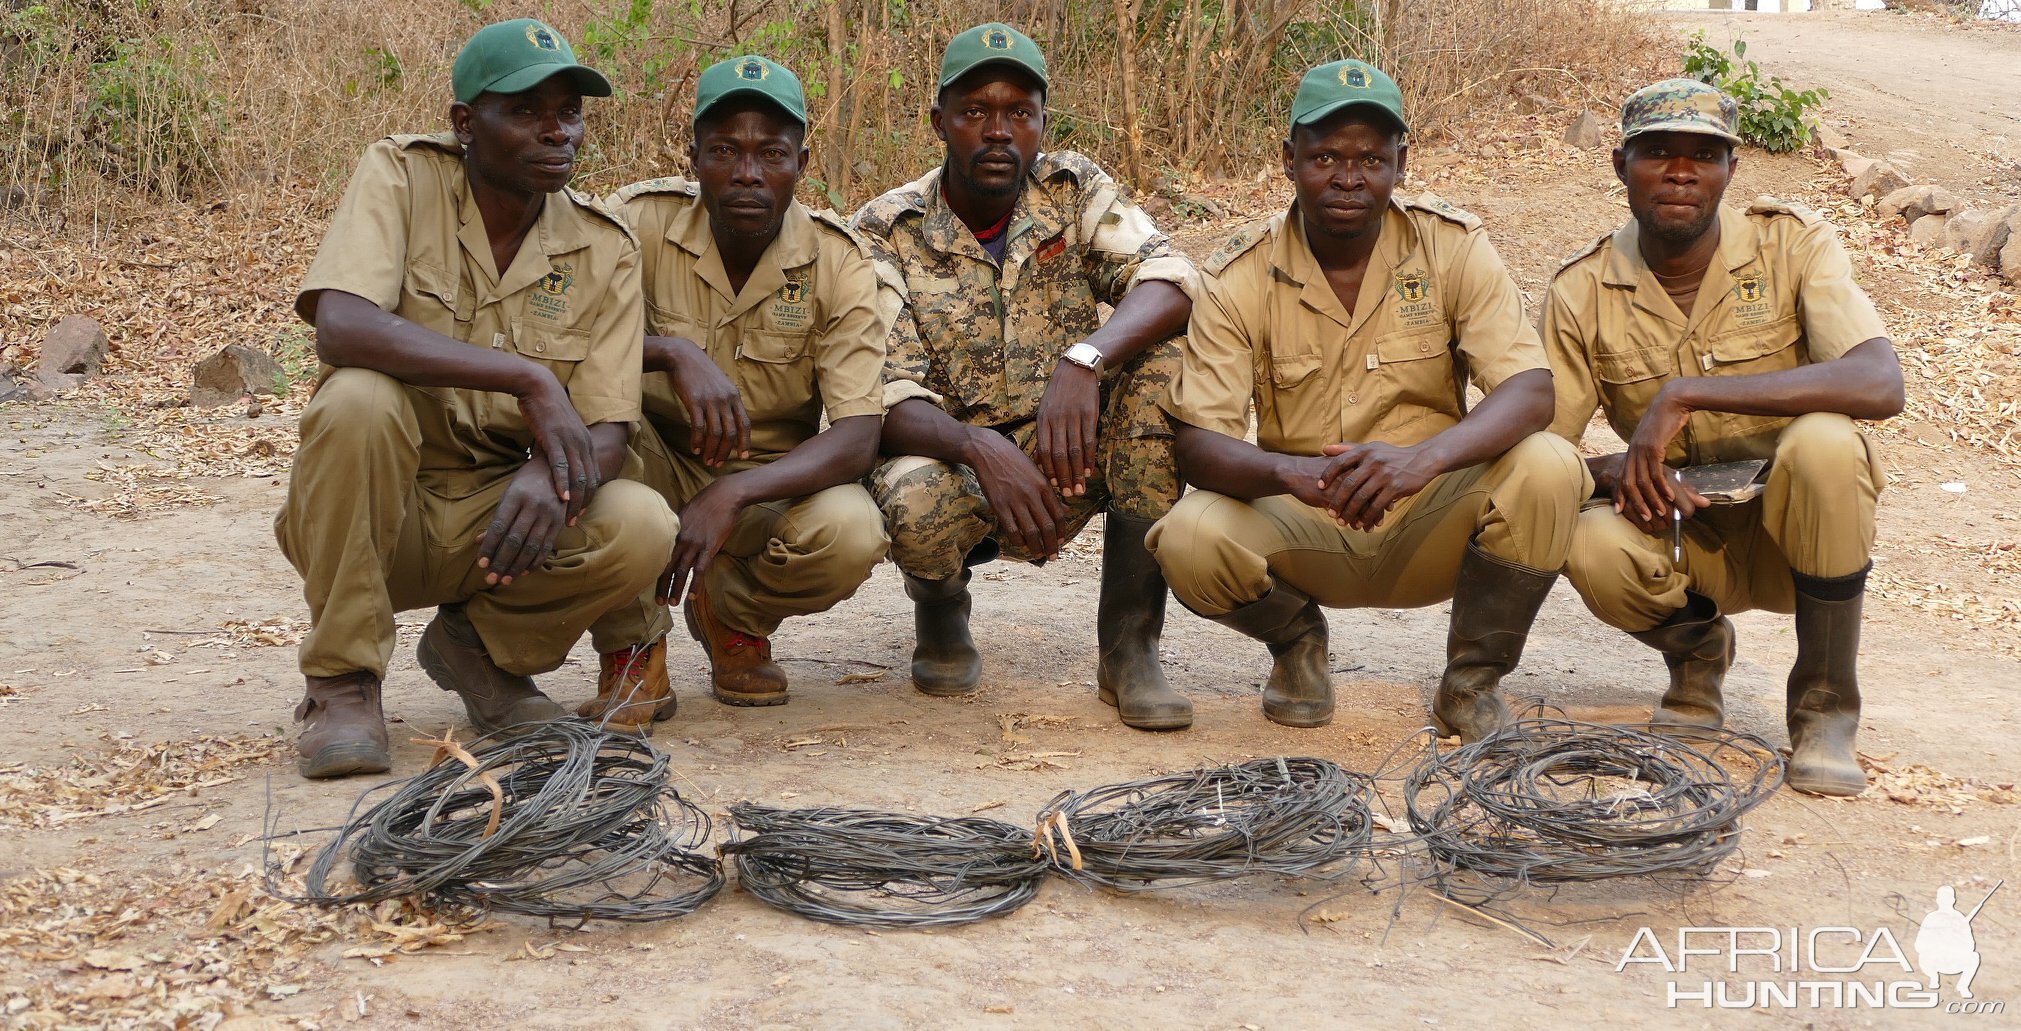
x,y
631,527
1546,467
1612,570
1195,545
844,527
355,403
1822,449
930,514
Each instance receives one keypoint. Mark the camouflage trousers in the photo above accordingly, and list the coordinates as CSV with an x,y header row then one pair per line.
x,y
936,514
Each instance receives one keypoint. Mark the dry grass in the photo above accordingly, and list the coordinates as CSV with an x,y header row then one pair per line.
x,y
121,106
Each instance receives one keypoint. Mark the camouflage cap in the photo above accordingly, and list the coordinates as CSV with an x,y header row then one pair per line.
x,y
751,75
1343,84
994,43
515,56
1680,105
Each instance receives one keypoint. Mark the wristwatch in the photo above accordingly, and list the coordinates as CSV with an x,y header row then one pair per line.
x,y
1085,355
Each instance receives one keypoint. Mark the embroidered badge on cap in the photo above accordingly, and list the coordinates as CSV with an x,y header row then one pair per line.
x,y
753,69
1354,78
540,37
996,39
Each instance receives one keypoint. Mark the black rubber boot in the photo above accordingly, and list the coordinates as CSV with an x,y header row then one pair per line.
x,y
1697,645
1824,687
1494,603
1128,622
944,659
1300,690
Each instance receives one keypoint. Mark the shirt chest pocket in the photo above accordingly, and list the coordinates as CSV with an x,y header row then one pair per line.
x,y
435,299
775,372
1414,367
1746,352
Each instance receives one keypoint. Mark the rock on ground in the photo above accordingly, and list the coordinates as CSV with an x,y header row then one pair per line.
x,y
75,346
1928,231
1584,132
1913,202
1879,179
229,375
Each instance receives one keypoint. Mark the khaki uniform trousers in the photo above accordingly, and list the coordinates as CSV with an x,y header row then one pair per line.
x,y
1221,553
783,558
1815,516
937,513
372,537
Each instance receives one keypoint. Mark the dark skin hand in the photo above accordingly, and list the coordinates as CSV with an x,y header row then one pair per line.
x,y
719,429
1358,483
352,332
1028,511
1071,410
842,453
1866,383
522,532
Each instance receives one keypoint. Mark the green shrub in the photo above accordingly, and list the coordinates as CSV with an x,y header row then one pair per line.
x,y
1772,116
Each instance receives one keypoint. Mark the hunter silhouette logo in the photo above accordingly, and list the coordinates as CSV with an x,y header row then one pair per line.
x,y
1944,942
1749,288
753,69
1354,78
541,38
996,39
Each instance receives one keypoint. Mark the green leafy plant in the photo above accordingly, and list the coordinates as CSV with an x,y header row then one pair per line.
x,y
1772,115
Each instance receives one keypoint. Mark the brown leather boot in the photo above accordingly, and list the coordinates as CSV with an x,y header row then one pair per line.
x,y
1129,619
741,670
632,691
453,656
343,729
1697,645
1824,687
1300,690
944,660
1494,603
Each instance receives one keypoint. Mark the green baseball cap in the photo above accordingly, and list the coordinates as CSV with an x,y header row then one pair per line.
x,y
514,56
1341,84
994,43
753,76
1680,105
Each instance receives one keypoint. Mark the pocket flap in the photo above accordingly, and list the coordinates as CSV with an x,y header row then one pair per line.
x,y
1292,369
1414,345
1744,345
433,281
772,347
1631,366
551,343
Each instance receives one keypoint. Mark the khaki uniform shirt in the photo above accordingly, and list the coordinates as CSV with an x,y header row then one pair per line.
x,y
1778,294
803,335
408,237
1436,303
981,340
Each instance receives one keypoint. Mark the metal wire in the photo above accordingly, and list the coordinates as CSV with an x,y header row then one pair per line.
x,y
1554,799
1285,816
584,825
853,866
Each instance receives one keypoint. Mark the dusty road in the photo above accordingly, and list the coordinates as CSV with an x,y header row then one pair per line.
x,y
155,631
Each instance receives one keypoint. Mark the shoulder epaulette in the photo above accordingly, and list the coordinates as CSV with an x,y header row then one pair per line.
x,y
832,221
1766,205
673,184
881,213
596,206
1054,164
1585,252
442,141
1438,206
1235,246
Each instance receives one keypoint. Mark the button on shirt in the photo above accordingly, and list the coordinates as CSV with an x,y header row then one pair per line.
x,y
408,237
1269,330
1779,293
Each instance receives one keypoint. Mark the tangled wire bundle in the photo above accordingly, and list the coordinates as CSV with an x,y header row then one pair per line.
x,y
1552,799
1286,816
568,821
850,866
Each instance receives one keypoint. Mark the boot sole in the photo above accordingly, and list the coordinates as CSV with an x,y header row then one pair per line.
x,y
1299,724
1829,787
749,701
344,760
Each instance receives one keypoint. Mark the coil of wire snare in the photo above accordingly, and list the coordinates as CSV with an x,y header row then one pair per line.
x,y
1285,816
1552,799
853,866
588,828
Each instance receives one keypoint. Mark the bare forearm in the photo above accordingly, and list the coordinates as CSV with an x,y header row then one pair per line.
x,y
842,453
916,427
611,441
1150,312
1518,407
1220,463
352,332
1864,384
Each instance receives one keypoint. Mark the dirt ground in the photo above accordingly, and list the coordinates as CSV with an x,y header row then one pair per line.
x,y
164,626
